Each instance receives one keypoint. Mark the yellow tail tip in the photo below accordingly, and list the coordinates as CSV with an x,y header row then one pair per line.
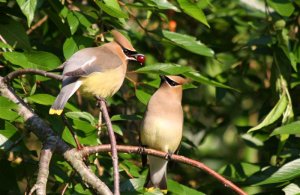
x,y
153,189
53,111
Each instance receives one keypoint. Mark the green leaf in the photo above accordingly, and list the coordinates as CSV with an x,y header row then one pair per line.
x,y
69,47
122,117
7,109
177,188
28,8
46,99
132,185
5,46
202,79
117,129
164,68
287,172
14,33
291,128
291,189
33,59
283,7
273,115
67,137
239,171
73,22
142,96
43,99
112,7
164,4
82,115
82,19
189,43
193,10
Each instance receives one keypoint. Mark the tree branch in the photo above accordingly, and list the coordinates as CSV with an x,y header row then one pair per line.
x,y
17,73
178,158
113,148
49,139
43,173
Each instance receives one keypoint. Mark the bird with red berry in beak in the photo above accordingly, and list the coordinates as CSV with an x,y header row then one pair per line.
x,y
98,70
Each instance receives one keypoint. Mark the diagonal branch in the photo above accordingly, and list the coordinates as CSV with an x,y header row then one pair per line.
x,y
113,142
174,157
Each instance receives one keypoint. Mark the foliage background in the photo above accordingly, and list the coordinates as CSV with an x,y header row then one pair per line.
x,y
241,106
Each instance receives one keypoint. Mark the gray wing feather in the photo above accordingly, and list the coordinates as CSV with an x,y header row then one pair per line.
x,y
89,60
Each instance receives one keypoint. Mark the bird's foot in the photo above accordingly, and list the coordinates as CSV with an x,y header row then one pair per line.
x,y
168,156
141,149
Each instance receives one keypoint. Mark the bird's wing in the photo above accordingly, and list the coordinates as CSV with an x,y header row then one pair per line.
x,y
89,60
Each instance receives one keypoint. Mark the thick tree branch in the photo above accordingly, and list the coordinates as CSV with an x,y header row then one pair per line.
x,y
49,139
177,158
113,142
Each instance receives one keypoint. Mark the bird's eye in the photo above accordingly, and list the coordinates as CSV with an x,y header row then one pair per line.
x,y
171,82
128,52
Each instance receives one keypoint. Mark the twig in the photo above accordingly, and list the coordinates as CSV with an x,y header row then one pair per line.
x,y
4,41
177,158
113,143
17,73
39,23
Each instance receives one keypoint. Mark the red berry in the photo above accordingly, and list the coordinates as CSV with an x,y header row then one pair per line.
x,y
141,59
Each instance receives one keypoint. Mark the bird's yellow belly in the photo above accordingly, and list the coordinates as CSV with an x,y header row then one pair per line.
x,y
161,135
103,84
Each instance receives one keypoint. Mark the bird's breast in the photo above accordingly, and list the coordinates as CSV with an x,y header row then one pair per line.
x,y
104,84
161,133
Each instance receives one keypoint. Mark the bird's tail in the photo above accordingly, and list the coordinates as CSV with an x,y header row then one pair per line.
x,y
59,104
68,89
157,175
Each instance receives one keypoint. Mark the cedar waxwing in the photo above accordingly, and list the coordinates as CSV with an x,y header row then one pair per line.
x,y
162,128
100,70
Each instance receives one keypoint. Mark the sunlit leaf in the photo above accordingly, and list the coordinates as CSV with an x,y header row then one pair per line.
x,y
73,22
142,96
164,4
273,115
82,115
28,8
189,43
291,128
112,8
291,189
283,7
33,59
46,99
7,109
162,68
193,10
287,172
69,47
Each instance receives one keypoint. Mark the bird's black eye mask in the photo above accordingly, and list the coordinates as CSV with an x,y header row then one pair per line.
x,y
169,81
128,52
